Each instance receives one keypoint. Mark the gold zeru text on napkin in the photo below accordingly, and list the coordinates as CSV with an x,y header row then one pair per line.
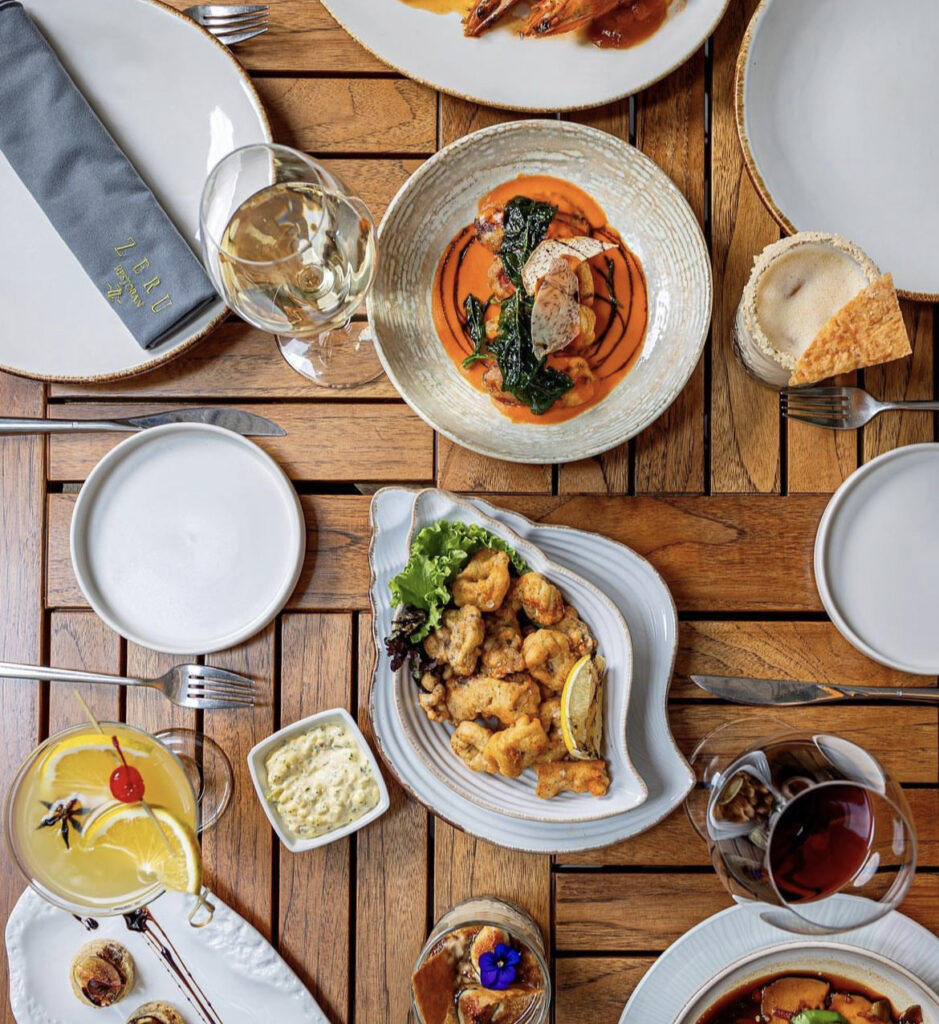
x,y
126,285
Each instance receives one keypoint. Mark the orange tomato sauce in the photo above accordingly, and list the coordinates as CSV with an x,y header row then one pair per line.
x,y
621,324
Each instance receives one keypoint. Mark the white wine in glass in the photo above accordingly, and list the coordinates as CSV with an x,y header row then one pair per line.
x,y
293,253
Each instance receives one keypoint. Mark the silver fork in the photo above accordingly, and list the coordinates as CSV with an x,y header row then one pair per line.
x,y
231,23
840,408
189,686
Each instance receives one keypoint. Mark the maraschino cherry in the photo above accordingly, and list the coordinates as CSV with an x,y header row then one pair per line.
x,y
126,782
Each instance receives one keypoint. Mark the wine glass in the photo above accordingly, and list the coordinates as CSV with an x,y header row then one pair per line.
x,y
90,805
808,829
293,252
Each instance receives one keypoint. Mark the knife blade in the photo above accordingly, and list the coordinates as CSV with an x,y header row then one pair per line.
x,y
237,420
787,692
248,424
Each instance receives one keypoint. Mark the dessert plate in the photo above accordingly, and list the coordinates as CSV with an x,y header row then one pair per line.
x,y
187,538
176,101
516,797
642,598
827,100
877,559
640,201
234,966
501,69
709,948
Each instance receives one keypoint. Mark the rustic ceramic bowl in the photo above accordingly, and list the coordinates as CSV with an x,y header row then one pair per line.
x,y
516,797
640,201
851,963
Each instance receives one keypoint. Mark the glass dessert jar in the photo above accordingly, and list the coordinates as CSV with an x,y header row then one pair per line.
x,y
796,285
485,958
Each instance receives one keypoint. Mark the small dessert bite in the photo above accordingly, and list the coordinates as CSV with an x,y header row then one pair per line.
x,y
156,1012
102,973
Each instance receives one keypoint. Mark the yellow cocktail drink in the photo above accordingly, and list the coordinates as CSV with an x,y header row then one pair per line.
x,y
103,821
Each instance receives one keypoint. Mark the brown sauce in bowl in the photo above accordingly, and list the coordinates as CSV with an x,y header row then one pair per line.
x,y
620,303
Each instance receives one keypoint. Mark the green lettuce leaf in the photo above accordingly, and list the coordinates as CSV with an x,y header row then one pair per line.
x,y
438,553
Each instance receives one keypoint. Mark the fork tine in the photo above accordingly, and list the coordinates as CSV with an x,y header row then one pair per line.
x,y
241,37
221,674
832,423
211,704
226,688
232,23
216,10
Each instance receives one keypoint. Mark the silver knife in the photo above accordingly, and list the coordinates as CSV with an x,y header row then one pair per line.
x,y
784,692
245,423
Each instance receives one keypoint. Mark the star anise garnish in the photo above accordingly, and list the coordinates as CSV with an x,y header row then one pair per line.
x,y
65,813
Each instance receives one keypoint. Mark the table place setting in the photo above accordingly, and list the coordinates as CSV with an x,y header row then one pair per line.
x,y
549,651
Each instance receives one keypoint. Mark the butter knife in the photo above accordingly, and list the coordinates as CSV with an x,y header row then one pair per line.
x,y
786,692
246,423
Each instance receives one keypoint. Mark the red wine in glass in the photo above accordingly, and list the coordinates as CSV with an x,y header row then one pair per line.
x,y
821,841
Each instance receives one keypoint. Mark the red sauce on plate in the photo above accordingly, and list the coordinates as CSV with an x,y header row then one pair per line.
x,y
620,330
628,24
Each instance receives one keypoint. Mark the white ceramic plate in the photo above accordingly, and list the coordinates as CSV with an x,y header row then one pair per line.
x,y
640,201
257,756
187,538
176,101
501,69
235,966
830,114
644,601
868,969
710,947
877,559
516,797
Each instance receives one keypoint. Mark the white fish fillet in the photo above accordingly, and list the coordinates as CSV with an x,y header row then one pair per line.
x,y
581,248
555,315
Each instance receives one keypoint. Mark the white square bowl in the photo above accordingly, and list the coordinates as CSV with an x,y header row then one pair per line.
x,y
258,755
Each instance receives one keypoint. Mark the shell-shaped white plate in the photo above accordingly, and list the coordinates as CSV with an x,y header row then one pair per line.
x,y
516,797
234,965
638,592
639,200
503,70
717,942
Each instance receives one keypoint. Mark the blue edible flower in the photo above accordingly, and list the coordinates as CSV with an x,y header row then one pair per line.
x,y
497,970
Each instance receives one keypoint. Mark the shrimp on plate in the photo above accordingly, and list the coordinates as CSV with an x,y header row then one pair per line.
x,y
552,17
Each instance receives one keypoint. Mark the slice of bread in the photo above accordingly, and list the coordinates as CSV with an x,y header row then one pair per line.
x,y
867,331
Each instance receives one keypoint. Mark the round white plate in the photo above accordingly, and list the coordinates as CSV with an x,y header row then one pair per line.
x,y
830,115
645,603
234,965
187,538
639,200
714,944
877,559
516,797
502,69
176,101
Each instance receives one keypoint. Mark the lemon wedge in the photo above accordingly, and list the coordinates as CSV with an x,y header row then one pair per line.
x,y
84,763
164,849
582,708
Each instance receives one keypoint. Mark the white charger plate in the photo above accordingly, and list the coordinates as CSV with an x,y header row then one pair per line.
x,y
187,538
234,965
500,68
176,101
516,797
830,98
711,946
644,601
877,559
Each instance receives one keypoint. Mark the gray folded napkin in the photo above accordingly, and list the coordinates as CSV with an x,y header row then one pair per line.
x,y
89,190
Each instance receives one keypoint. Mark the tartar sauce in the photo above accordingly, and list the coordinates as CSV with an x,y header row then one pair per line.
x,y
320,780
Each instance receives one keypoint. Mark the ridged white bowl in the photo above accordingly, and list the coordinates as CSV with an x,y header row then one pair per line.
x,y
640,201
516,797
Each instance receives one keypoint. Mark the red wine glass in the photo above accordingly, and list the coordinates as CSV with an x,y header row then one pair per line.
x,y
805,828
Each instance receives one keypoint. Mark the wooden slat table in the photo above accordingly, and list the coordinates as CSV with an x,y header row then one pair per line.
x,y
720,494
